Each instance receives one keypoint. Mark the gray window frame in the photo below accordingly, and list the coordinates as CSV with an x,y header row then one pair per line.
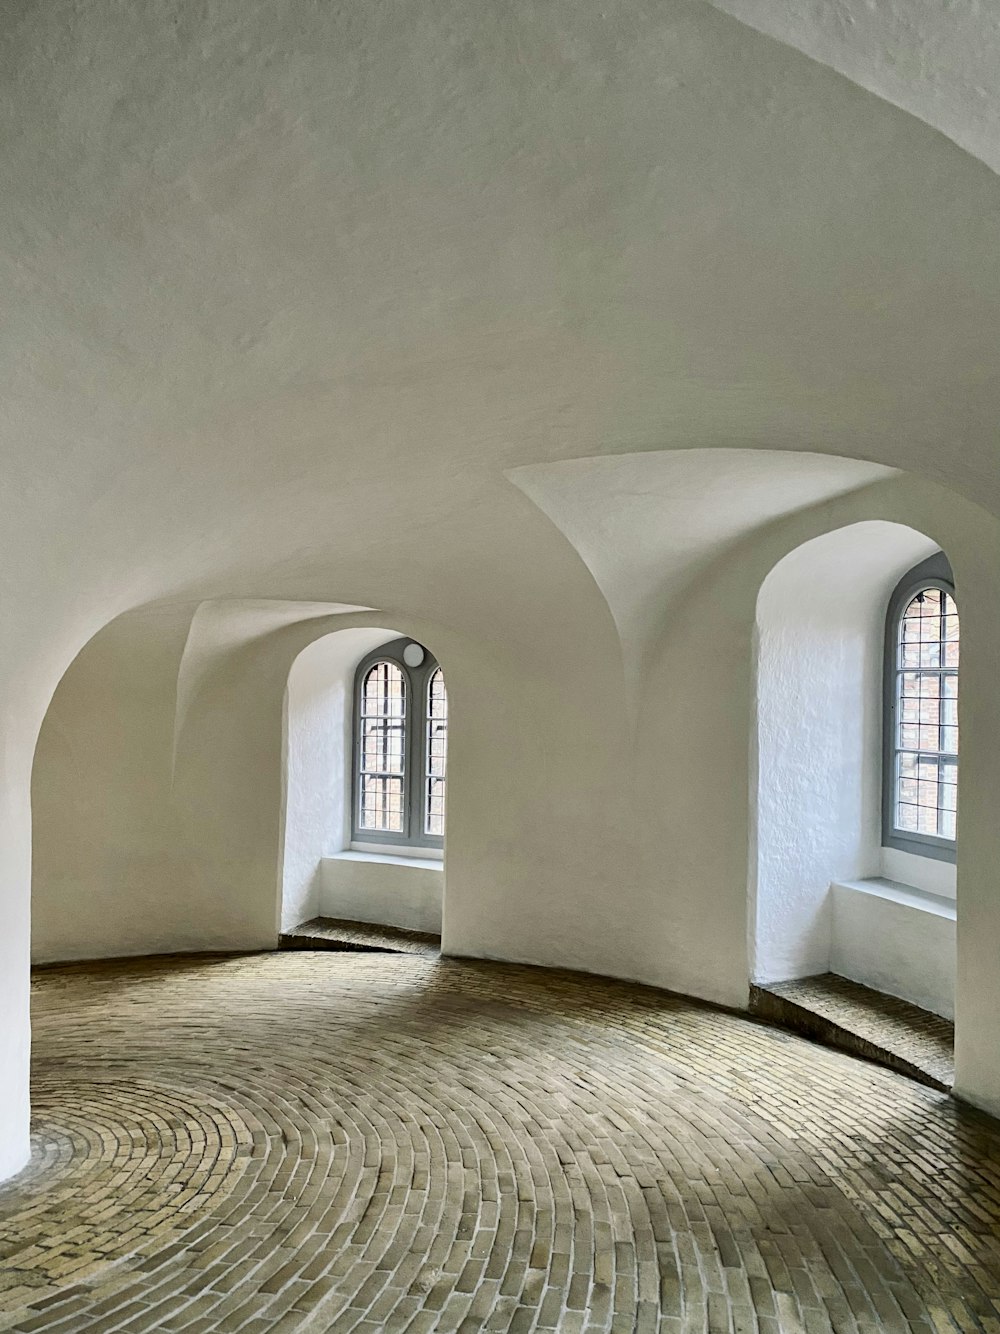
x,y
416,681
935,572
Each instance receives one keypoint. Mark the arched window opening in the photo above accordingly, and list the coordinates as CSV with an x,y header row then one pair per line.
x,y
383,735
437,753
920,769
400,747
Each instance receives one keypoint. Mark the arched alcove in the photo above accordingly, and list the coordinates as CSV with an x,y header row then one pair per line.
x,y
816,774
160,772
322,871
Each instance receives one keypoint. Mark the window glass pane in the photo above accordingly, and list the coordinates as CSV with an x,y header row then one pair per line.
x,y
381,747
927,821
381,804
926,670
436,758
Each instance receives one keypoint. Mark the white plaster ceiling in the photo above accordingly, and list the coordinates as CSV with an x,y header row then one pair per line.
x,y
936,60
645,523
289,289
219,629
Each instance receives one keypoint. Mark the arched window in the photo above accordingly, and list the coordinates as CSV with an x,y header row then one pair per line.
x,y
383,739
436,752
920,722
400,747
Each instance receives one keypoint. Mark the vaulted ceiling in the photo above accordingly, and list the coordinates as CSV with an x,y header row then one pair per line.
x,y
289,289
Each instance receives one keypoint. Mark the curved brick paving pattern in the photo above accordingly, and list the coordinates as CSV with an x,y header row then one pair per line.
x,y
312,1142
105,1153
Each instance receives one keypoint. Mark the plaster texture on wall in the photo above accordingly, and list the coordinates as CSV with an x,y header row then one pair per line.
x,y
926,873
220,629
896,941
936,61
292,292
677,920
15,1021
318,744
110,869
820,637
645,523
157,827
393,891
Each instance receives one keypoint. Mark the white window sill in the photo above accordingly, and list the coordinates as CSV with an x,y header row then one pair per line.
x,y
926,873
404,857
894,892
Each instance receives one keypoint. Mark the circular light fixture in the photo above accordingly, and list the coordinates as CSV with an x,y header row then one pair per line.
x,y
413,655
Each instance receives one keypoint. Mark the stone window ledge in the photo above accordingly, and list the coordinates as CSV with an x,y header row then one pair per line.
x,y
405,857
894,892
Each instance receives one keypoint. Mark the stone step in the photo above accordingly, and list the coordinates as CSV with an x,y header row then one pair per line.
x,y
334,933
867,1023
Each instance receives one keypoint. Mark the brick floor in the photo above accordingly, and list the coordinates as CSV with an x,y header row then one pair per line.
x,y
335,933
869,1023
304,1142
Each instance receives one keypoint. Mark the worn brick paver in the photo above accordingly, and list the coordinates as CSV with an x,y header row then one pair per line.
x,y
307,1142
336,933
869,1023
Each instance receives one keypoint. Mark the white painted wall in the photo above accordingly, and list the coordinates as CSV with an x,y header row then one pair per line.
x,y
392,891
946,76
896,940
263,342
820,637
111,873
179,786
318,710
936,877
541,823
15,864
555,796
316,717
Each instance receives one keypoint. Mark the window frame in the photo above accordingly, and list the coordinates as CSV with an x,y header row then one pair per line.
x,y
416,681
430,722
935,572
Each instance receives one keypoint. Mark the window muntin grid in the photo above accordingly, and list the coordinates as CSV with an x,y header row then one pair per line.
x,y
925,733
435,754
382,760
397,712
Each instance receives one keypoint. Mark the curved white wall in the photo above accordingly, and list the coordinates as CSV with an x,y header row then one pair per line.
x,y
282,339
817,785
318,721
575,837
111,869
